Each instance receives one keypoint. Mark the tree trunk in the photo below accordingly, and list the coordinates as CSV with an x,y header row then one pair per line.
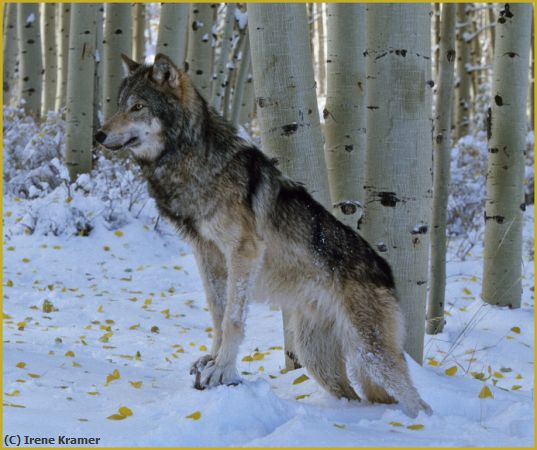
x,y
344,114
138,32
248,104
31,63
505,176
50,51
117,40
81,70
285,93
321,46
172,31
222,71
399,152
63,56
99,72
462,108
442,160
200,50
242,77
10,51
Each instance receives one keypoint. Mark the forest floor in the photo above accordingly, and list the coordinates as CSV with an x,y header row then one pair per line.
x,y
126,317
99,332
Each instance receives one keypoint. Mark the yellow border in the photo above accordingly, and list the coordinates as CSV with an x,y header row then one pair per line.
x,y
206,1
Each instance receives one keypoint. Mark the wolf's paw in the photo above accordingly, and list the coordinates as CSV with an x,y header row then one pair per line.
x,y
198,367
215,374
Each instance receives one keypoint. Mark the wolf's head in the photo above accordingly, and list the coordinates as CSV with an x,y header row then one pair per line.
x,y
157,110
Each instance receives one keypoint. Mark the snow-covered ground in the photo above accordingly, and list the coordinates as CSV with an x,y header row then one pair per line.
x,y
99,333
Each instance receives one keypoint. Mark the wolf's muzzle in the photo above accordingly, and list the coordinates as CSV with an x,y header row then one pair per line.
x,y
100,137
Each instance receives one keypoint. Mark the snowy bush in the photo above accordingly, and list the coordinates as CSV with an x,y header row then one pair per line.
x,y
467,189
37,181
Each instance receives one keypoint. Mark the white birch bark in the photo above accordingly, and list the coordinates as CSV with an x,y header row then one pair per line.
x,y
172,31
505,174
442,160
117,40
242,77
10,52
31,62
50,52
287,104
344,113
200,51
138,32
81,70
63,53
221,75
397,212
462,101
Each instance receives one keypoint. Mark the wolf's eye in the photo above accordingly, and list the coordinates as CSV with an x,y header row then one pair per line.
x,y
137,107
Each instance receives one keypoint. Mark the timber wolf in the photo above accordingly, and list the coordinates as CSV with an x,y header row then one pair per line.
x,y
258,235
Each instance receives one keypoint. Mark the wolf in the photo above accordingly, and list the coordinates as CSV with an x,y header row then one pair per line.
x,y
258,235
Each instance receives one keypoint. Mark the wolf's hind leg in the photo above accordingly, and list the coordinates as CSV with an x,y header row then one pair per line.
x,y
374,392
319,350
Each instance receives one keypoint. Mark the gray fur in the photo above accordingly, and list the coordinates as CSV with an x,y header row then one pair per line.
x,y
259,235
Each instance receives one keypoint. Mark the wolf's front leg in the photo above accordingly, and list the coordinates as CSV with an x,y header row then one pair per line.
x,y
213,272
242,265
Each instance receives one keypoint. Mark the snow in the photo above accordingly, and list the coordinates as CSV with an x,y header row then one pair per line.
x,y
241,18
127,296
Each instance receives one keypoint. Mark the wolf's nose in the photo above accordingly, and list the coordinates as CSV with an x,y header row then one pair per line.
x,y
100,137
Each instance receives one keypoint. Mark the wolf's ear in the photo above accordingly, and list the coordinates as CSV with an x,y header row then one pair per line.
x,y
165,71
129,65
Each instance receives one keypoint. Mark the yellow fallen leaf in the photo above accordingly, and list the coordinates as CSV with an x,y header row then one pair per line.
x,y
118,233
15,393
14,405
451,371
21,365
136,384
277,347
300,397
9,283
396,424
106,248
258,356
486,392
113,376
340,425
247,359
497,375
134,327
92,393
124,411
194,416
516,387
203,348
21,326
34,375
116,417
70,354
516,330
467,291
519,377
416,426
433,362
25,260
301,379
